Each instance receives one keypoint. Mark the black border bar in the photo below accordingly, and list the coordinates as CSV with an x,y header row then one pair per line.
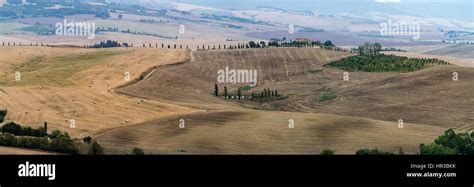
x,y
237,169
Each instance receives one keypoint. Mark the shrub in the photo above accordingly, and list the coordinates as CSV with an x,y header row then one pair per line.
x,y
137,151
327,152
8,139
63,144
12,128
96,149
435,149
87,140
372,152
55,134
327,97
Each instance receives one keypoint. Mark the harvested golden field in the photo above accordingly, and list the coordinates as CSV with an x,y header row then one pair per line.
x,y
266,132
368,106
74,85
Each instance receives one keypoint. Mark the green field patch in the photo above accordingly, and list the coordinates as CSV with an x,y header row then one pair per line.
x,y
327,97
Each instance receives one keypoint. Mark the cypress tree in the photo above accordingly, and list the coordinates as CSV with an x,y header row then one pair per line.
x,y
45,128
238,94
225,91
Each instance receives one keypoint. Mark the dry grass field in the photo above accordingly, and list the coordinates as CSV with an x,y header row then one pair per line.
x,y
266,132
60,84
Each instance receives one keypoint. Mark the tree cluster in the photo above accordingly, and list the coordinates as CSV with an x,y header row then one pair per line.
x,y
109,44
15,135
450,143
18,130
384,63
60,143
370,49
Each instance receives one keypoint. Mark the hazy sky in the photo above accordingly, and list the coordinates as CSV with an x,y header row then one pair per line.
x,y
429,8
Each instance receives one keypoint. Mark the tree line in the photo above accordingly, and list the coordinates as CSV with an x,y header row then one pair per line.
x,y
449,143
109,44
15,135
249,45
266,93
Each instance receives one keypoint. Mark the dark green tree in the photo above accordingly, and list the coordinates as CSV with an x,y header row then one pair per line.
x,y
45,128
328,43
137,151
87,140
225,91
435,149
55,134
96,149
252,44
462,143
12,128
327,152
